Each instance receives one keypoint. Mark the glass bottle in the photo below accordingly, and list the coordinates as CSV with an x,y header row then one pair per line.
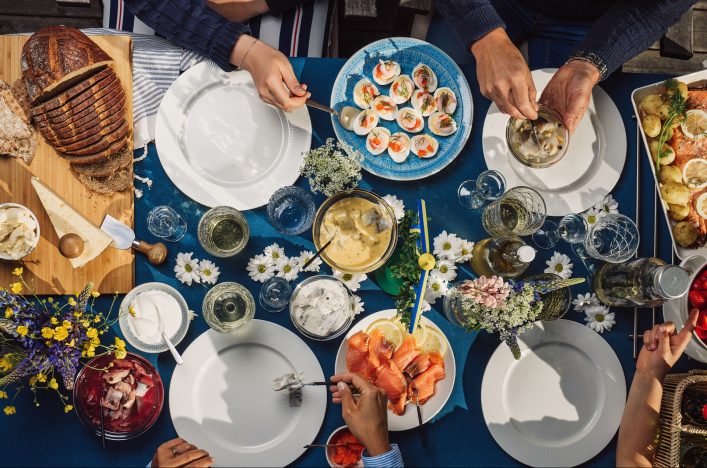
x,y
643,282
505,256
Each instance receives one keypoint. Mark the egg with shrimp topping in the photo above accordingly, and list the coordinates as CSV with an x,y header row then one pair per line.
x,y
377,141
424,146
410,120
401,89
446,100
399,147
424,77
385,107
424,102
386,71
364,93
442,124
365,121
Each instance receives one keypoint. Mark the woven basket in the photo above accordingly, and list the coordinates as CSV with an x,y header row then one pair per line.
x,y
671,426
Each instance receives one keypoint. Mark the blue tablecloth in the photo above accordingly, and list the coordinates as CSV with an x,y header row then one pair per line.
x,y
458,436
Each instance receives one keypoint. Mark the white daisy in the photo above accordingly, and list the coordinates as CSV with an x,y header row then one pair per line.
x,y
288,268
187,269
352,281
560,265
592,215
584,301
599,318
208,272
260,268
446,270
426,306
192,315
436,288
465,253
275,253
447,246
305,256
358,305
608,205
397,205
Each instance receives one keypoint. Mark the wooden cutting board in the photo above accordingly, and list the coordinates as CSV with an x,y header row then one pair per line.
x,y
51,273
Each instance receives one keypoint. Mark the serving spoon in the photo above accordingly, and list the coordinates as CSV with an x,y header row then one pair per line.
x,y
346,115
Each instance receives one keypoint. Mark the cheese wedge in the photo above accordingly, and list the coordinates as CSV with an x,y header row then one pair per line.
x,y
66,220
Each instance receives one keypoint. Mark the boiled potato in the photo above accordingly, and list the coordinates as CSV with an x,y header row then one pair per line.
x,y
663,111
651,125
685,233
675,194
677,121
682,87
670,174
651,103
678,212
669,153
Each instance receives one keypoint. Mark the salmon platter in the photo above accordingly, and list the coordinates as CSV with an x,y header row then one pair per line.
x,y
410,368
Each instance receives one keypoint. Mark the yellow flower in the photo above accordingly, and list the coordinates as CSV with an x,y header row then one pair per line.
x,y
53,384
131,311
84,323
60,333
3,394
72,343
47,333
120,353
17,271
41,377
5,365
78,314
50,300
92,332
9,410
97,320
16,288
22,330
8,313
53,321
120,344
66,324
95,293
72,302
68,408
91,352
95,341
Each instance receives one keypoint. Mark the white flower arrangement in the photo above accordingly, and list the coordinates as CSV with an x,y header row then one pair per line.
x,y
288,268
584,301
608,205
190,270
446,270
274,262
304,257
358,305
447,246
397,205
352,281
560,265
599,318
261,268
592,215
208,271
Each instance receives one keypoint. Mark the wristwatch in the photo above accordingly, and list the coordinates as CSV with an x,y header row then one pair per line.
x,y
594,59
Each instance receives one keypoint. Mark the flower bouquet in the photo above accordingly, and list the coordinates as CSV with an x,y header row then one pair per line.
x,y
498,306
43,341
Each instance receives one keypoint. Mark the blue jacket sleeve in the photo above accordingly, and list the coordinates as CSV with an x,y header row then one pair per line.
x,y
391,459
628,28
472,19
191,25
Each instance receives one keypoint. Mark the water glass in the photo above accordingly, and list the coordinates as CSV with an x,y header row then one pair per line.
x,y
556,303
164,222
291,210
489,186
547,236
614,239
275,294
573,228
519,212
223,231
228,307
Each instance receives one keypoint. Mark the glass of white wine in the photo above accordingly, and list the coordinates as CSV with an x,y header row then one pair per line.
x,y
519,212
223,231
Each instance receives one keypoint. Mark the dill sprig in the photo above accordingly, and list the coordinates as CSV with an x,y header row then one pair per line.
x,y
676,103
406,267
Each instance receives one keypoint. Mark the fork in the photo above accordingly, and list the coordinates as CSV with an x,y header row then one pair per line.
x,y
415,395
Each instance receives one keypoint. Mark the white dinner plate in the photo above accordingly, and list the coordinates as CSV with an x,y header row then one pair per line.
x,y
221,145
443,388
221,399
561,403
588,172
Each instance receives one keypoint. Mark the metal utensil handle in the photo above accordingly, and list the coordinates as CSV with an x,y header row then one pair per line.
x,y
321,107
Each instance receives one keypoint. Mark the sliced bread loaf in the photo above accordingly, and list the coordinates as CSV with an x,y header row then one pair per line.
x,y
88,97
99,155
120,180
67,137
76,90
96,136
109,165
87,115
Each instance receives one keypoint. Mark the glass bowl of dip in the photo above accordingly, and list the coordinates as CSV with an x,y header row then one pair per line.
x,y
322,308
155,305
538,143
138,409
363,228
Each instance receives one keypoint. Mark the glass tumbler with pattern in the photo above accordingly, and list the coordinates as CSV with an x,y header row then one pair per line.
x,y
519,212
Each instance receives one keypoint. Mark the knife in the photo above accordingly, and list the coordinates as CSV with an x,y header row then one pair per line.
x,y
124,238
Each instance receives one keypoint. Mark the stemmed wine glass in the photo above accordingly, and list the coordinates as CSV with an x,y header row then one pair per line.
x,y
572,228
474,194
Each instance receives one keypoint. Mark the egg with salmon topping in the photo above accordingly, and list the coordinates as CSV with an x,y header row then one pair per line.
x,y
424,146
401,89
377,141
386,71
446,100
399,147
424,102
410,120
364,93
442,124
385,107
424,77
365,121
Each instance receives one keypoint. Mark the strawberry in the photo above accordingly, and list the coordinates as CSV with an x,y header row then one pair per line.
x,y
702,322
703,275
699,285
698,300
702,334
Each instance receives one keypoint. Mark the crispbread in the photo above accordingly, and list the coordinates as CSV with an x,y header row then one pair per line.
x,y
67,135
95,138
20,92
88,97
23,148
76,120
74,91
109,165
98,156
118,181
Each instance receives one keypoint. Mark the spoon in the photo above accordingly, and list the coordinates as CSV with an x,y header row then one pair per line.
x,y
346,115
316,255
175,354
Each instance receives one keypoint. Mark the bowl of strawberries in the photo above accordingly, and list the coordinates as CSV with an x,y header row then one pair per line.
x,y
697,296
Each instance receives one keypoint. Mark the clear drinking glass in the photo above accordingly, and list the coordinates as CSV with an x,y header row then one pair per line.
x,y
291,210
164,222
489,186
223,231
275,294
573,228
556,303
614,239
228,307
547,236
519,212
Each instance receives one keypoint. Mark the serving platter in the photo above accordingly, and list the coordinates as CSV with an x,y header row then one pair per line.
x,y
408,52
561,403
589,170
443,388
221,145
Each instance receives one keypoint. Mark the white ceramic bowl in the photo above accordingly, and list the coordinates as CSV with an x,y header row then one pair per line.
x,y
327,450
693,264
4,256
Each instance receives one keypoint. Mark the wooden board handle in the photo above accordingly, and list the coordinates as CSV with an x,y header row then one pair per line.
x,y
156,253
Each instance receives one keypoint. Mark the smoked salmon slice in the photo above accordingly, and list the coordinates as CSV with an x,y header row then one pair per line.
x,y
426,381
393,383
406,353
418,365
357,355
380,351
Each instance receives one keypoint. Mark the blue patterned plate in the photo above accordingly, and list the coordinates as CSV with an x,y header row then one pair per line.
x,y
408,53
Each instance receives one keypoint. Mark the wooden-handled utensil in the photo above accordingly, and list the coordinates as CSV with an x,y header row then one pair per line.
x,y
124,238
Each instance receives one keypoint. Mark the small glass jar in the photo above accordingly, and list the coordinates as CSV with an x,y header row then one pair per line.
x,y
223,231
291,210
228,307
347,309
538,143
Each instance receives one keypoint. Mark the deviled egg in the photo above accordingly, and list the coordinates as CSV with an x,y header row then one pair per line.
x,y
446,100
386,71
399,147
377,141
364,93
424,102
410,120
386,108
424,146
401,89
442,124
365,121
424,77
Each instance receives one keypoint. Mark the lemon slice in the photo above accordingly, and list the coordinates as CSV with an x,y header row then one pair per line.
x,y
694,174
391,331
701,205
434,341
420,334
695,124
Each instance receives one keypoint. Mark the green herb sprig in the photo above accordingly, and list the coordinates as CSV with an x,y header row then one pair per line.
x,y
676,103
406,268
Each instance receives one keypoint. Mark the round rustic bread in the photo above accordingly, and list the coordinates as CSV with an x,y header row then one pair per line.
x,y
55,58
75,120
118,181
79,88
109,165
99,125
93,94
99,155
96,137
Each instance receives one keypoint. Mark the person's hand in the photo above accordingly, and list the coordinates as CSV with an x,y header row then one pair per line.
x,y
178,452
366,415
569,91
662,346
239,11
272,73
504,76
